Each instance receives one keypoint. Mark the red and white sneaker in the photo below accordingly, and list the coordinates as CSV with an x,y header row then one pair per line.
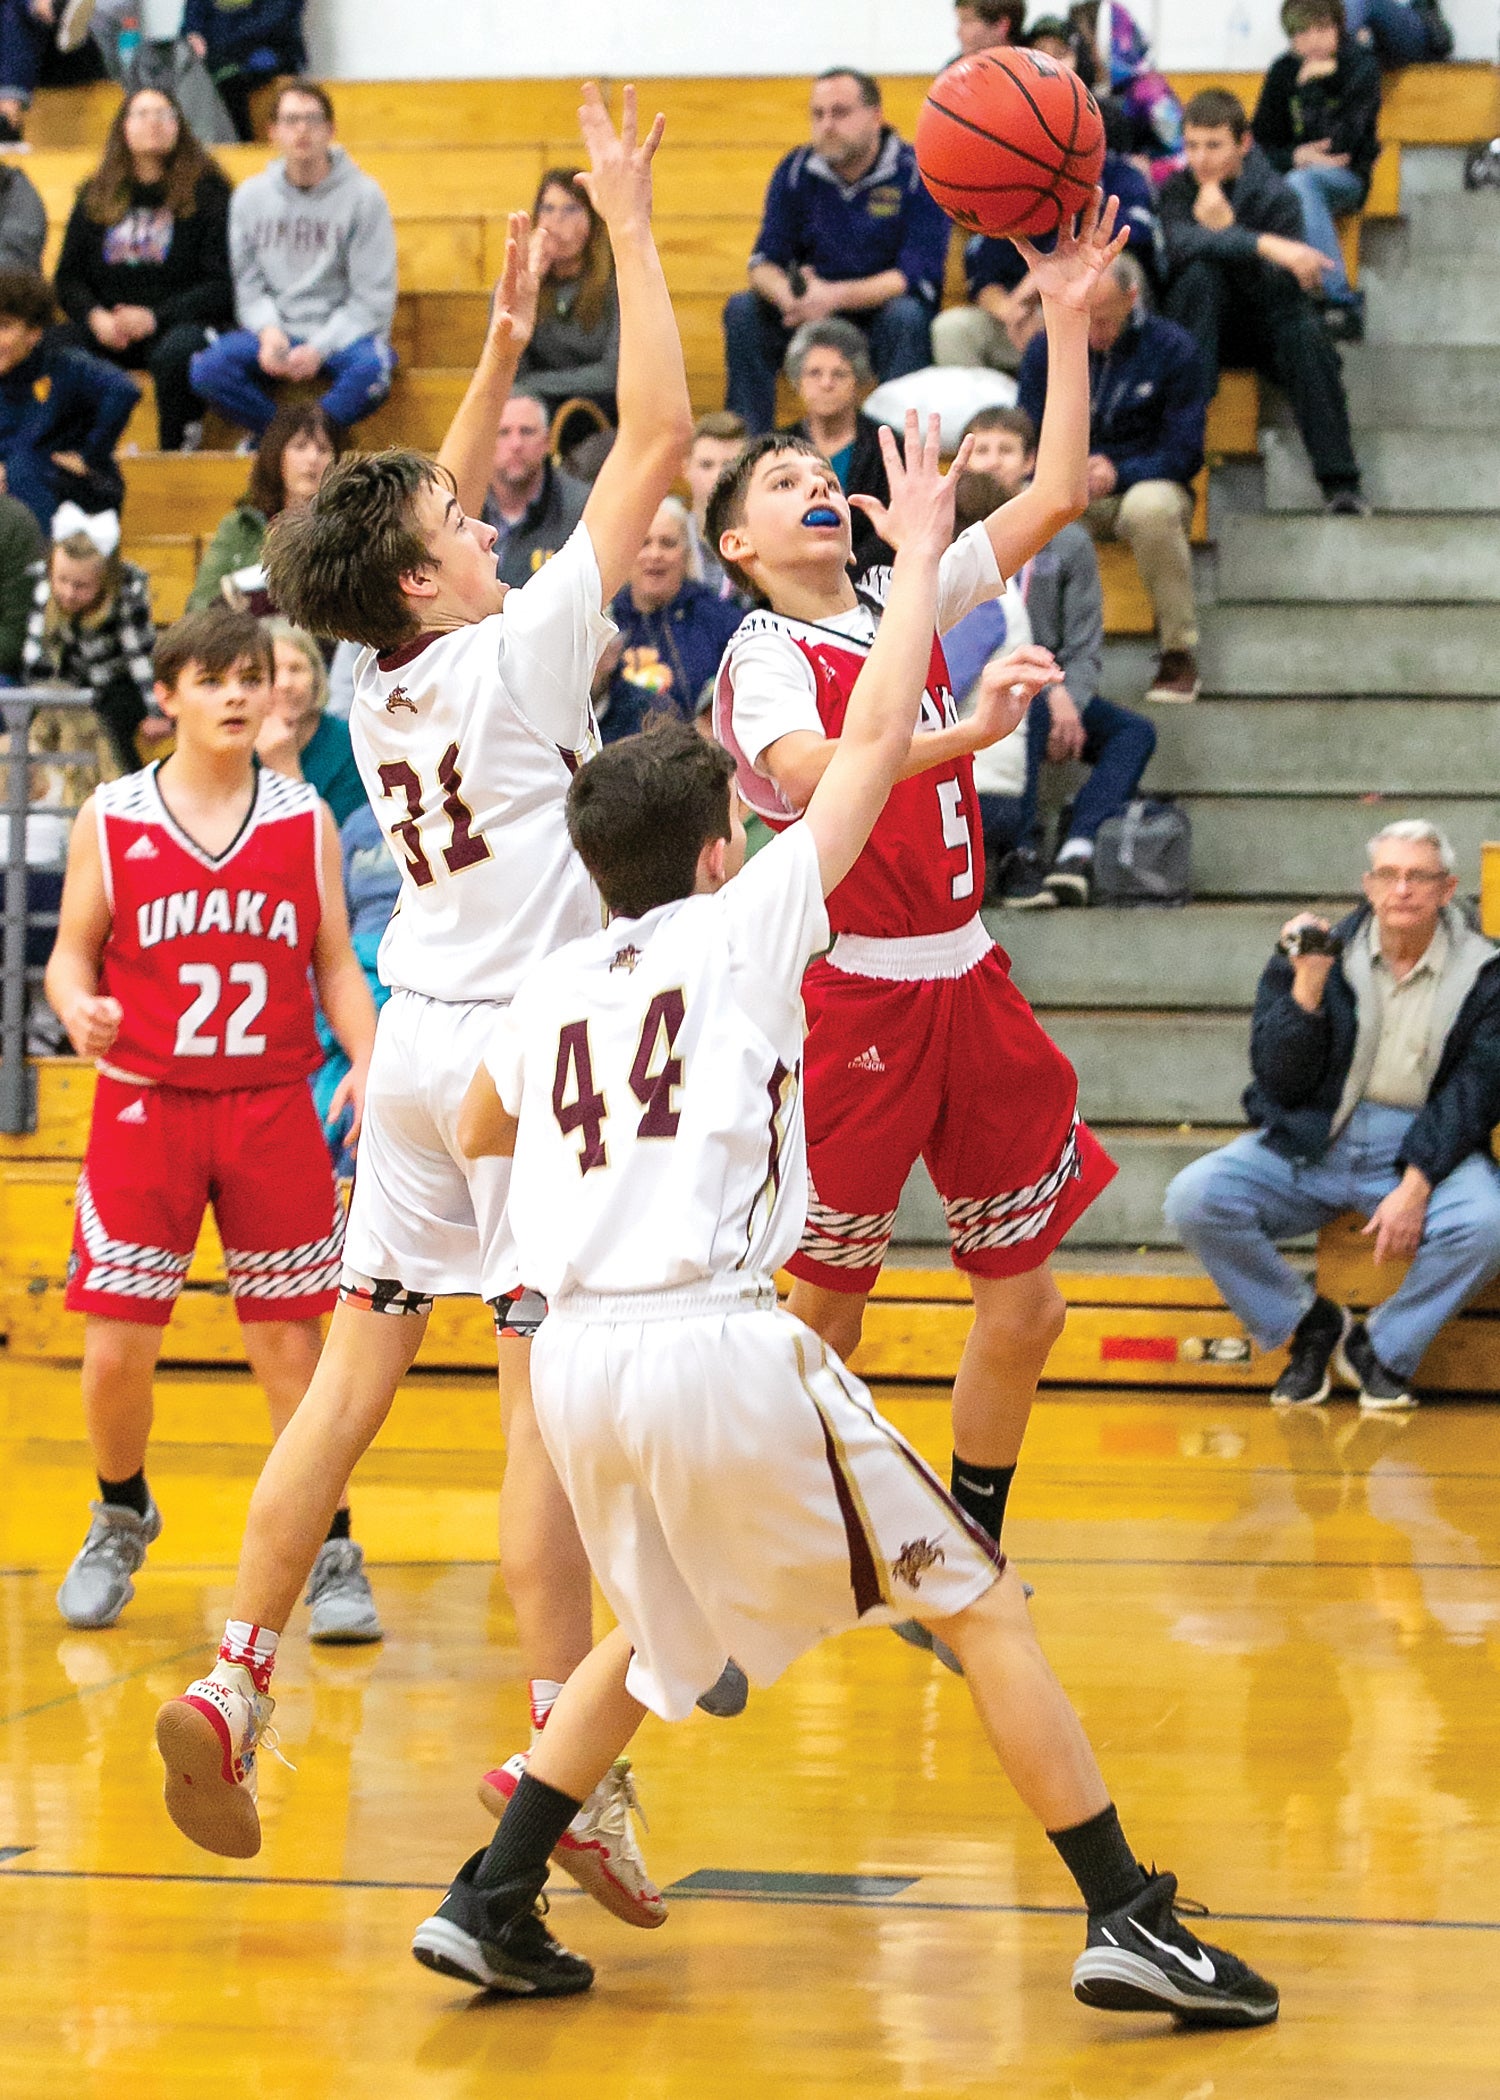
x,y
207,1739
598,1848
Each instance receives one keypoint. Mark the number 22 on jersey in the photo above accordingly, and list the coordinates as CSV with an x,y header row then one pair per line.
x,y
655,1076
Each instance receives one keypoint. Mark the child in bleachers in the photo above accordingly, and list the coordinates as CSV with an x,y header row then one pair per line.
x,y
61,411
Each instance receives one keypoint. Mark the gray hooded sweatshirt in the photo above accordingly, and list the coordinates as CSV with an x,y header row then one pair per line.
x,y
318,263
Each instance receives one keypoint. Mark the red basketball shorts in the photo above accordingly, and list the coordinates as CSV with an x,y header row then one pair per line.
x,y
158,1156
955,1071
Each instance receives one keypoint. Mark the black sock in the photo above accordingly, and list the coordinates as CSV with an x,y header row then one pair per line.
x,y
981,1492
339,1528
1095,1853
127,1494
515,1866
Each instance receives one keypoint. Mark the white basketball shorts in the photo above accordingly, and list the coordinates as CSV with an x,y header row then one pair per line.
x,y
422,1216
736,1492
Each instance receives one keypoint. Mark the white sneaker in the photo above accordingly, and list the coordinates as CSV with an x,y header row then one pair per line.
x,y
208,1738
598,1848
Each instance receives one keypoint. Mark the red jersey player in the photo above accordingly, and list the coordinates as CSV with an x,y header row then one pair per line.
x,y
199,895
918,1044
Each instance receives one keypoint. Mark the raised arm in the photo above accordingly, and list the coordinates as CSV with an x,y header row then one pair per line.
x,y
656,417
468,451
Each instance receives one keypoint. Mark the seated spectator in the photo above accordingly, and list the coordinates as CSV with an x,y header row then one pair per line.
x,y
829,367
313,252
61,411
144,270
1146,440
673,630
21,544
1375,1056
23,220
1069,721
1064,41
575,345
27,29
297,738
90,626
244,44
718,441
532,504
299,447
1316,123
849,229
1239,278
1401,32
988,25
1152,112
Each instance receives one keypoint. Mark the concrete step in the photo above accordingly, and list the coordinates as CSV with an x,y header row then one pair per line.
x,y
1395,387
1403,470
1360,747
1156,1068
1432,300
1290,846
1443,651
1403,560
1205,956
1431,171
1127,1214
1464,224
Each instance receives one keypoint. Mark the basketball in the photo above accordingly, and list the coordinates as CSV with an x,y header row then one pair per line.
x,y
1010,142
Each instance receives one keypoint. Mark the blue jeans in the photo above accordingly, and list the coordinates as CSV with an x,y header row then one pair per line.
x,y
1231,1208
755,340
1397,32
1324,194
1117,747
227,376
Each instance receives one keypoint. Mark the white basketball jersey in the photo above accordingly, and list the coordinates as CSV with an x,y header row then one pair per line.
x,y
656,1072
466,743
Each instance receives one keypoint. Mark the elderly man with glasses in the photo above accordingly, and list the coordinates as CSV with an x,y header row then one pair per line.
x,y
1375,1053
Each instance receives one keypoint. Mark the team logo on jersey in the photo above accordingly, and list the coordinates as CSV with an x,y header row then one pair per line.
x,y
867,1061
400,697
914,1559
136,1113
624,959
143,849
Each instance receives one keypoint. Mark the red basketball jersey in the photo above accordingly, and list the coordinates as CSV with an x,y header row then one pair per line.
x,y
922,871
209,955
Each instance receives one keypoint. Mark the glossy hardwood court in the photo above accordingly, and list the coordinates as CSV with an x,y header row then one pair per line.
x,y
1283,1634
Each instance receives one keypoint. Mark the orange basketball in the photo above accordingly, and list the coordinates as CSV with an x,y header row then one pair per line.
x,y
1010,142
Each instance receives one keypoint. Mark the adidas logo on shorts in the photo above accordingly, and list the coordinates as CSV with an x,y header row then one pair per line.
x,y
136,1113
143,849
868,1061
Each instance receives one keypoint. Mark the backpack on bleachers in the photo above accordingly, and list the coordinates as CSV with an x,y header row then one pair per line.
x,y
1144,856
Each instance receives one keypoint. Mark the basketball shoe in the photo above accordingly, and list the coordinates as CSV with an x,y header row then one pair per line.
x,y
1142,1958
598,1848
98,1586
518,1955
208,1738
338,1590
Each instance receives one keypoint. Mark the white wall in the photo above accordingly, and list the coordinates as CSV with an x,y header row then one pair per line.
x,y
402,39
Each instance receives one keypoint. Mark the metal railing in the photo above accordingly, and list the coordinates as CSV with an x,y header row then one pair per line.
x,y
20,706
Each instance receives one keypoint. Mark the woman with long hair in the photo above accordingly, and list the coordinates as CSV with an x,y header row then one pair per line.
x,y
575,347
144,271
299,447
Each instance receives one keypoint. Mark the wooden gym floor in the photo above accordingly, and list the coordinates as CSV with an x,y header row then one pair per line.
x,y
1283,1635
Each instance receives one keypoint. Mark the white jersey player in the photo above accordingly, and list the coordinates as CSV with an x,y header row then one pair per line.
x,y
471,714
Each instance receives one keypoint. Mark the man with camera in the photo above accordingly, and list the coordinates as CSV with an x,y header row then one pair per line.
x,y
1375,1054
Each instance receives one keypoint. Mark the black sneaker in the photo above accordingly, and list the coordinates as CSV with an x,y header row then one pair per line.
x,y
1344,319
1346,503
1071,881
1143,1959
1306,1382
1380,1391
1023,885
518,1956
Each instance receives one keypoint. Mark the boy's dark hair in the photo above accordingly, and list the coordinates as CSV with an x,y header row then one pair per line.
x,y
26,296
1217,109
1015,420
214,640
313,89
726,506
997,11
335,568
977,496
722,424
1298,15
868,85
641,812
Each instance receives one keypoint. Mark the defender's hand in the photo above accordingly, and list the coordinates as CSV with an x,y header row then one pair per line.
x,y
920,511
1007,687
1083,253
528,254
92,1024
619,177
350,1093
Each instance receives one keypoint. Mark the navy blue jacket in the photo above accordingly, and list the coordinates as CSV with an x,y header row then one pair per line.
x,y
61,400
1301,1061
668,656
260,29
885,221
1150,404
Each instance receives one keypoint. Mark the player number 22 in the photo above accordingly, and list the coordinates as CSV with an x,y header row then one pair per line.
x,y
655,1076
465,848
950,796
204,980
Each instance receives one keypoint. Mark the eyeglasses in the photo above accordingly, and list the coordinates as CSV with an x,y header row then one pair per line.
x,y
1418,878
302,120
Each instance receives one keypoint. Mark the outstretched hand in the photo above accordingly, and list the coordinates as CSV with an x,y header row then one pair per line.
x,y
1083,253
1007,687
922,495
619,178
528,250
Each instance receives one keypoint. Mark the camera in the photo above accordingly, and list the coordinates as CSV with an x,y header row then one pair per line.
x,y
1311,940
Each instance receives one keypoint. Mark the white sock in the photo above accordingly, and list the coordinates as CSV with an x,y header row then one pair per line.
x,y
544,1691
1076,849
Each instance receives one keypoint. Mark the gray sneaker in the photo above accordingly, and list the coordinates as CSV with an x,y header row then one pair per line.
x,y
338,1589
97,1588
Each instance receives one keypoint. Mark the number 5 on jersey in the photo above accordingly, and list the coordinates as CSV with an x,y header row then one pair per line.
x,y
655,1076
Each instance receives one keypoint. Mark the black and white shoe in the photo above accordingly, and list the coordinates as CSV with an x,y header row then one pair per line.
x,y
1380,1391
518,1956
1071,881
1023,885
1144,1959
1319,1334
